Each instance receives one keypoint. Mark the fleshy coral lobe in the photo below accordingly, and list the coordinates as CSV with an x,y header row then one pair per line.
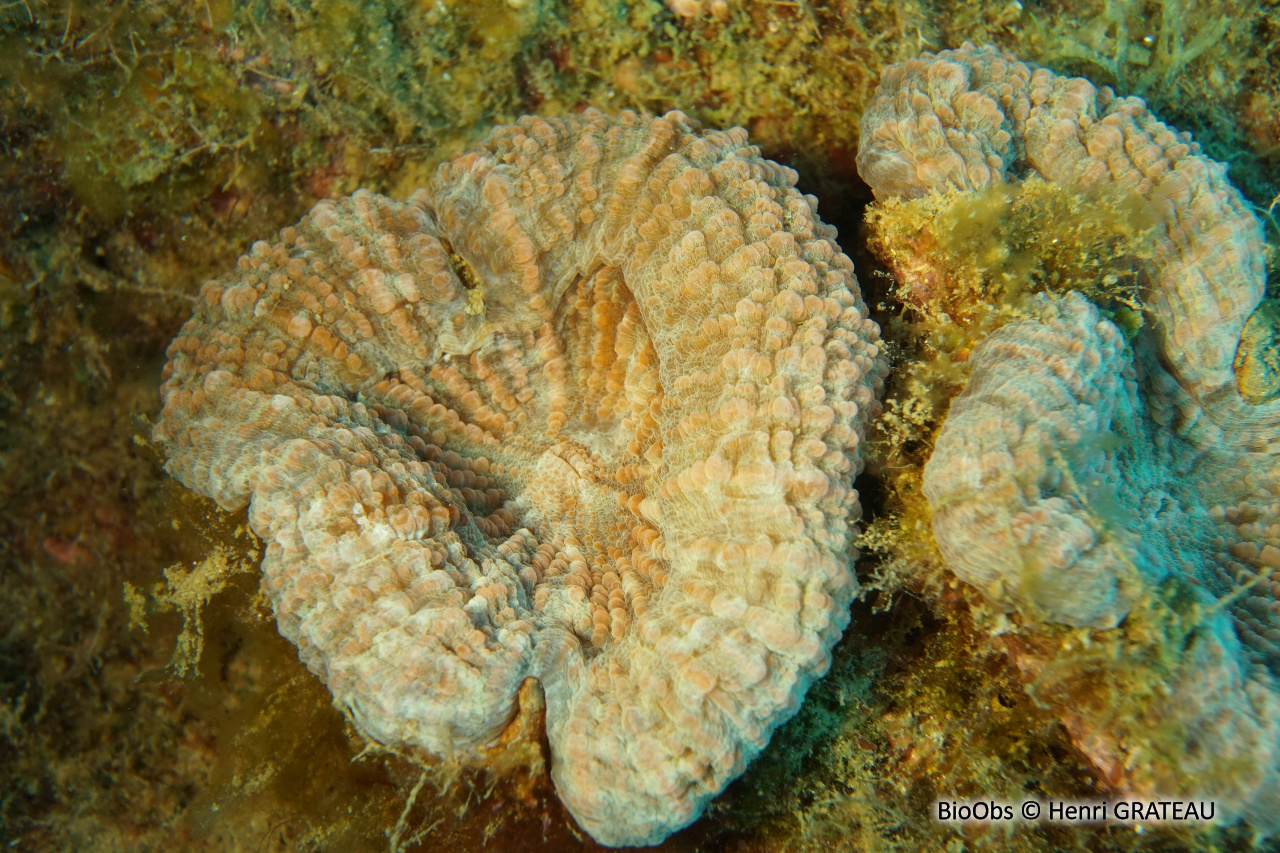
x,y
628,475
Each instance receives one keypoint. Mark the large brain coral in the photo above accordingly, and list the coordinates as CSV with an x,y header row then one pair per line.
x,y
587,410
1078,477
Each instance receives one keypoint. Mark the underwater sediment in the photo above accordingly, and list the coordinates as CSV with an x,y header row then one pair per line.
x,y
149,701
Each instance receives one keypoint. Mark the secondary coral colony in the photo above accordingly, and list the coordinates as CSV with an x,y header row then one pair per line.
x,y
1113,461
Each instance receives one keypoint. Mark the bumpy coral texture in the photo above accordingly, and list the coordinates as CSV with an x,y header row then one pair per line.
x,y
1075,473
718,9
586,409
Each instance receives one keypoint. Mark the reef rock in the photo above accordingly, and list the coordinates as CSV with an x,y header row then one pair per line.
x,y
586,410
1080,478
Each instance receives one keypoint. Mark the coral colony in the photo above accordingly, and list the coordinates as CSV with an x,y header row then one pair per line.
x,y
1077,475
587,409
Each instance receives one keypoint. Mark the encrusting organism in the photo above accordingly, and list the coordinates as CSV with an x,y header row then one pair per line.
x,y
586,409
1095,479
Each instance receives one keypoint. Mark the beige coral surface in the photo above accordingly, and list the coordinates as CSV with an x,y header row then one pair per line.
x,y
1083,476
586,409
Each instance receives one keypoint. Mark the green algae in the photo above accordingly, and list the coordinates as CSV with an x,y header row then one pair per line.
x,y
988,251
1257,362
